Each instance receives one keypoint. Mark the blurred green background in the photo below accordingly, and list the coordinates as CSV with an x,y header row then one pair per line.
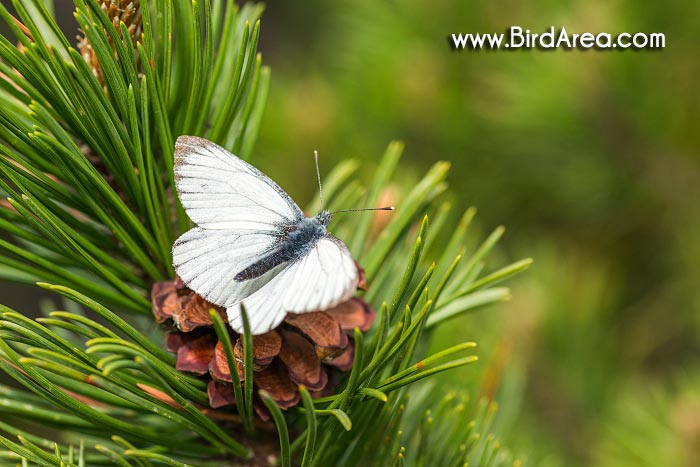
x,y
590,158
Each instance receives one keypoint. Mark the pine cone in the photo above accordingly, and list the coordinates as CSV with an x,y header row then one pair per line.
x,y
309,348
119,11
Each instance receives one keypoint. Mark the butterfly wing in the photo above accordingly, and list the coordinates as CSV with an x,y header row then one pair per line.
x,y
208,261
239,212
322,279
220,191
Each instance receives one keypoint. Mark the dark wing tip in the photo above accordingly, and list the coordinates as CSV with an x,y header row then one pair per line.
x,y
183,145
189,140
186,144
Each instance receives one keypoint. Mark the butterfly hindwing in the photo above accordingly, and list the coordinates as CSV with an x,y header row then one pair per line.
x,y
322,279
208,261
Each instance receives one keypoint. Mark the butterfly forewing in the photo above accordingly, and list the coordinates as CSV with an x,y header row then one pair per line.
x,y
220,191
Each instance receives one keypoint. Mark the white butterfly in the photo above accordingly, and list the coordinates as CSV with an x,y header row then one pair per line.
x,y
252,244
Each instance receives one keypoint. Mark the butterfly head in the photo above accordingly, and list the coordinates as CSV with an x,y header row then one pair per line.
x,y
324,217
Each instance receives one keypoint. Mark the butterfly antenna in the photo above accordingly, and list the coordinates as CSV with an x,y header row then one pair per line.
x,y
318,175
386,208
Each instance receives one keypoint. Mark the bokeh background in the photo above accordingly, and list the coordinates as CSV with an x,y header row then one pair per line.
x,y
590,159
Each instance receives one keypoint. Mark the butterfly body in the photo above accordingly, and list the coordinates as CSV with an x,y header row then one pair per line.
x,y
295,242
252,246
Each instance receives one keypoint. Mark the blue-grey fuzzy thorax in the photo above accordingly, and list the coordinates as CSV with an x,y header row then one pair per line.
x,y
295,242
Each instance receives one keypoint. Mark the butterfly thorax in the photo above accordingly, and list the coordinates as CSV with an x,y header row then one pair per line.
x,y
303,234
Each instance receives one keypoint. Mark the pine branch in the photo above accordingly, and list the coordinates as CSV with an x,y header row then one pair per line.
x,y
121,232
86,157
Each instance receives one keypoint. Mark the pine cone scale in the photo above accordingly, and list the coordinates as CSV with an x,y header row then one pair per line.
x,y
307,349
